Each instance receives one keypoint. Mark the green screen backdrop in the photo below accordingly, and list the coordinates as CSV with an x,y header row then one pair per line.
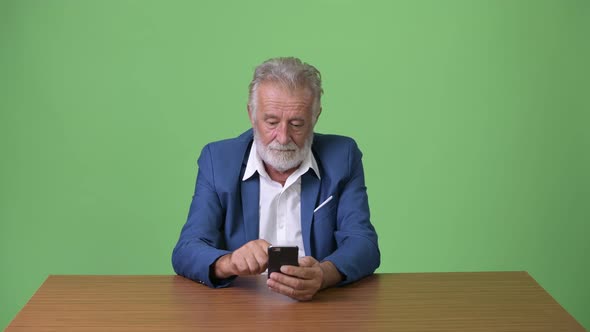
x,y
473,117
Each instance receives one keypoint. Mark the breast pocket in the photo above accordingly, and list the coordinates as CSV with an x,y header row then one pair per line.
x,y
326,213
324,228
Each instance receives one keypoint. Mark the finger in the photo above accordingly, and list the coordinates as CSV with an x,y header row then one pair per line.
x,y
263,244
253,266
240,265
262,260
300,272
288,291
250,253
261,254
292,282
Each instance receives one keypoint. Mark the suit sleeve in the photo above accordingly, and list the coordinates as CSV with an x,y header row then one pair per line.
x,y
357,254
201,240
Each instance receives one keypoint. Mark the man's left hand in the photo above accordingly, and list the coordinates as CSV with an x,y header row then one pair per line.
x,y
298,282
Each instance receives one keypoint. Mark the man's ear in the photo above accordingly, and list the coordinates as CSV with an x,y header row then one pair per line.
x,y
318,116
250,114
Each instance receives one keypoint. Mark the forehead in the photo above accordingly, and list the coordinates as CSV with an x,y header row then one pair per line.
x,y
276,96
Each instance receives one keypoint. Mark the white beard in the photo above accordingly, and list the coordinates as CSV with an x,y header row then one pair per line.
x,y
282,157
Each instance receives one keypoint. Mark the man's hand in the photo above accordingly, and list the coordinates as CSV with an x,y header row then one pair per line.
x,y
251,258
298,282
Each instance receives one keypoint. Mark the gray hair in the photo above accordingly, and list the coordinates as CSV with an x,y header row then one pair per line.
x,y
291,73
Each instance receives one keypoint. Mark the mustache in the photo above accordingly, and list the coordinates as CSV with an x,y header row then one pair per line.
x,y
274,145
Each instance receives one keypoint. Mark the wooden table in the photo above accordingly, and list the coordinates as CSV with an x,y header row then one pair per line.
x,y
486,301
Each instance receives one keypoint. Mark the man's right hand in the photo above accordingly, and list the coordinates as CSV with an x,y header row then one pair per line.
x,y
251,258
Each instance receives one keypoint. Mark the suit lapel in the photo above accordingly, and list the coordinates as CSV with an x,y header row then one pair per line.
x,y
250,192
250,206
310,187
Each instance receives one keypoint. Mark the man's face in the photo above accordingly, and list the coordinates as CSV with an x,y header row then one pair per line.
x,y
283,128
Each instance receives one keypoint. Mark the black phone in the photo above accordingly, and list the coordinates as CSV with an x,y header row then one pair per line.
x,y
279,256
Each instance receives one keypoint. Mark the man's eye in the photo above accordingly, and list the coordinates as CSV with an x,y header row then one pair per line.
x,y
297,125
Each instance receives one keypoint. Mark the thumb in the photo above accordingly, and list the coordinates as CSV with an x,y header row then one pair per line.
x,y
307,261
263,243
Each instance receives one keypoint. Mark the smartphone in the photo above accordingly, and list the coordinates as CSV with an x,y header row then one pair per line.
x,y
279,256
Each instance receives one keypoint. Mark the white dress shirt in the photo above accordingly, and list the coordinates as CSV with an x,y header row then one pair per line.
x,y
280,206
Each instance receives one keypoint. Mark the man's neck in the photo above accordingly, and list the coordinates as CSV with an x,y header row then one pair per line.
x,y
280,177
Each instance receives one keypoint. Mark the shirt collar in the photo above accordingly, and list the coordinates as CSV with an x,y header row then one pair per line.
x,y
255,164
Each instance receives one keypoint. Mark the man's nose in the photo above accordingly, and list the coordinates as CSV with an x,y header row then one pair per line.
x,y
283,134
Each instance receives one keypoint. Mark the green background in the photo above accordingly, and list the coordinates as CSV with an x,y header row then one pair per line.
x,y
473,117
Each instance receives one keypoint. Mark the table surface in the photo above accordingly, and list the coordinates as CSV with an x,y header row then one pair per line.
x,y
474,301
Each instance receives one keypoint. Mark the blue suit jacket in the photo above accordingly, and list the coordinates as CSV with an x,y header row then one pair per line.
x,y
224,211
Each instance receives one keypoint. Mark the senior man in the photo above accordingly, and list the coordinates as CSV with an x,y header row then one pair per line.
x,y
279,183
